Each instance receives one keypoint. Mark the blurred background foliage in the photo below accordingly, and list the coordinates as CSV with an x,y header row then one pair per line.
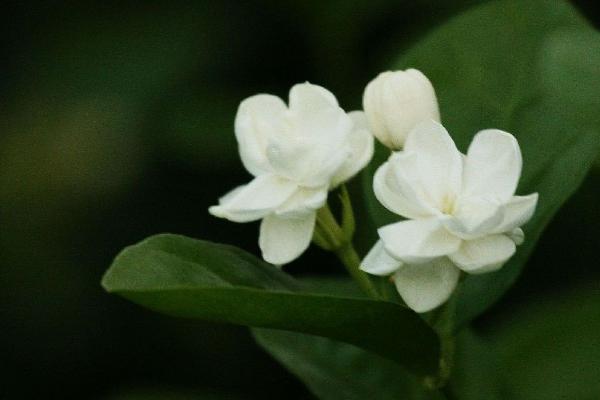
x,y
116,123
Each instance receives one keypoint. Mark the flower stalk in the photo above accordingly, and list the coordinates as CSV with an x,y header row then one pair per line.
x,y
351,261
443,323
330,236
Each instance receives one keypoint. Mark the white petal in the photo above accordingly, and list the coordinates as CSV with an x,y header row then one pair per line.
x,y
408,100
439,163
315,143
418,241
493,165
517,211
310,163
258,119
424,287
474,217
379,262
227,197
406,179
517,235
395,102
255,200
359,119
373,106
485,254
303,202
315,113
307,98
282,240
361,149
399,199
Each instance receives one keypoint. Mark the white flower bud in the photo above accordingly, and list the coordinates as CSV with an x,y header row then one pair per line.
x,y
395,102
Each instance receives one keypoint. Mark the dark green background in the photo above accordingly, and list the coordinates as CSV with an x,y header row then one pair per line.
x,y
116,123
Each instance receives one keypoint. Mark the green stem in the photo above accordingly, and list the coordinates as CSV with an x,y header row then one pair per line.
x,y
327,230
351,261
446,359
331,236
443,323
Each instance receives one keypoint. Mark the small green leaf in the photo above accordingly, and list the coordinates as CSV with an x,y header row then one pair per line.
x,y
527,67
197,279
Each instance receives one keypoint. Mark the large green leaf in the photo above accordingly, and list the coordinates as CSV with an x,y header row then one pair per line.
x,y
334,370
530,68
338,371
545,349
549,349
169,393
198,279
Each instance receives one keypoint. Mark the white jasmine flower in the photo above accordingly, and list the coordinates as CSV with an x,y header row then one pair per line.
x,y
462,212
297,153
395,102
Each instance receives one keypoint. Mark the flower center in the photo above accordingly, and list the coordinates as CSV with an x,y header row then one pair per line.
x,y
448,204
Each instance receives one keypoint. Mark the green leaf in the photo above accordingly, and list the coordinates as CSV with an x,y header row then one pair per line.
x,y
475,375
170,393
338,371
527,67
197,279
333,370
547,349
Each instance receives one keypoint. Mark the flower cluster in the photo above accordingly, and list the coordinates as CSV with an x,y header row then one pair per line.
x,y
460,211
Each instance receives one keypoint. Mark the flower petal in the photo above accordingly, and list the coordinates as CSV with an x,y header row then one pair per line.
x,y
311,163
306,98
359,120
396,194
373,106
474,217
424,287
493,165
485,254
282,240
418,241
255,200
303,202
516,235
395,102
439,163
314,145
517,211
379,262
361,149
258,119
315,114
